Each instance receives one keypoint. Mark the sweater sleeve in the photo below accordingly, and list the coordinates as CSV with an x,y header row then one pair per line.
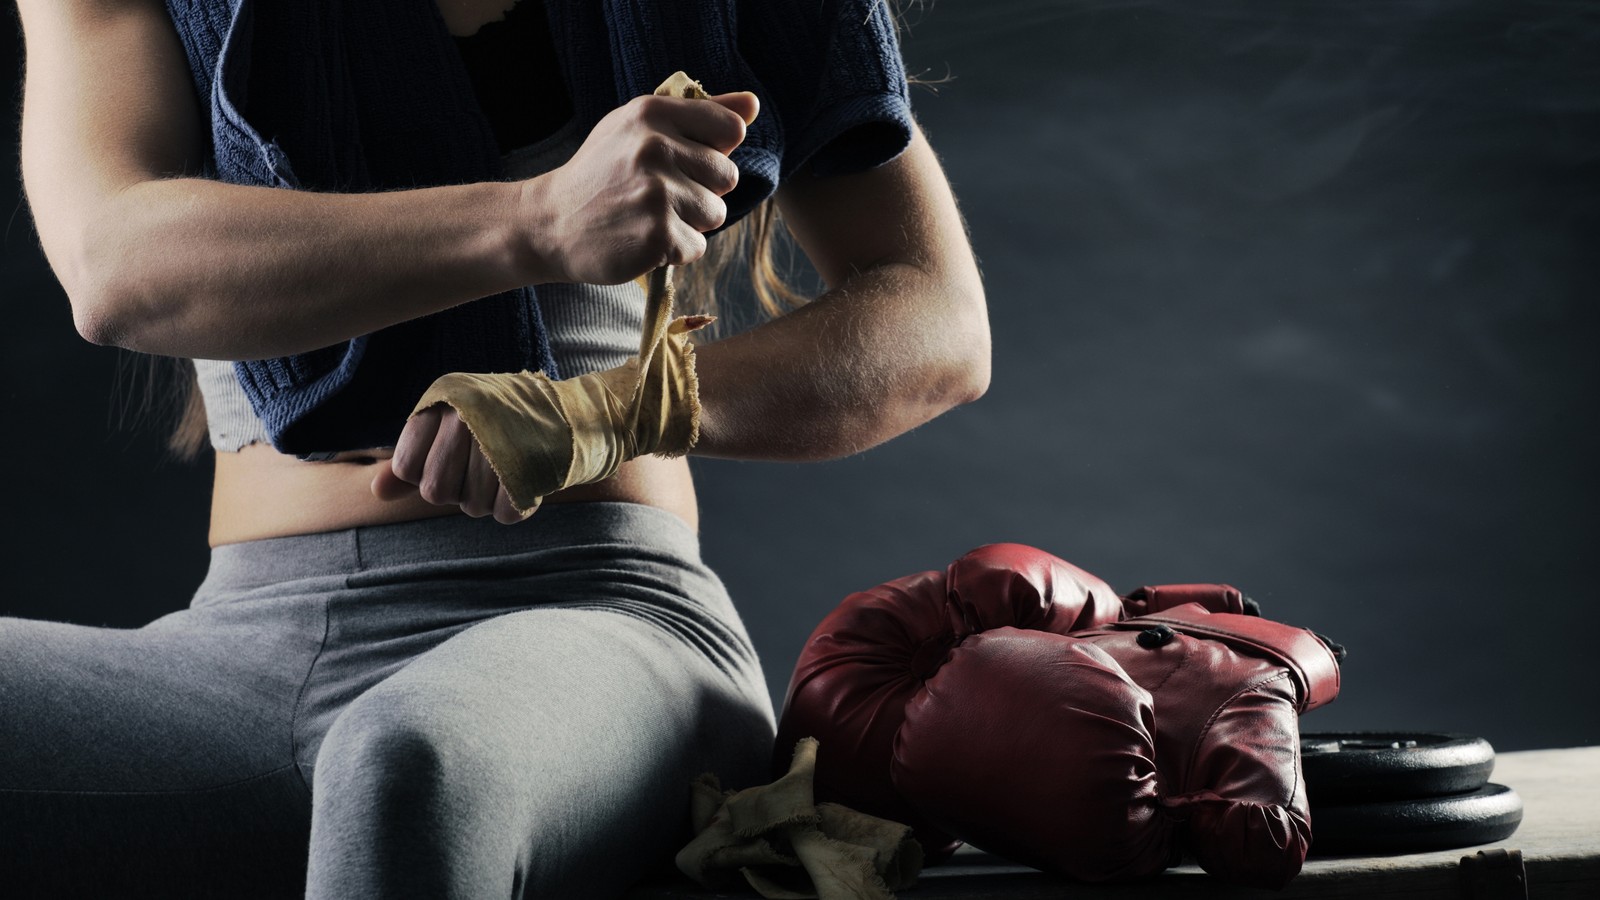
x,y
828,72
846,107
358,97
832,85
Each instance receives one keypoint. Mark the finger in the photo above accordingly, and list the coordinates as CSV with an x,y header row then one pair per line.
x,y
446,467
386,485
743,104
711,124
411,450
478,492
699,208
707,167
505,512
685,243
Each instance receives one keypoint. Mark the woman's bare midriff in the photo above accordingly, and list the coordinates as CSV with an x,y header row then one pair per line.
x,y
260,493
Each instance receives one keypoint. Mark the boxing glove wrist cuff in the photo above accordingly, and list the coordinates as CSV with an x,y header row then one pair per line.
x,y
1310,662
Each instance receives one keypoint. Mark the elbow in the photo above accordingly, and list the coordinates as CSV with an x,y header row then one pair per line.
x,y
971,352
99,309
93,324
99,325
976,369
93,308
96,303
964,379
98,277
81,251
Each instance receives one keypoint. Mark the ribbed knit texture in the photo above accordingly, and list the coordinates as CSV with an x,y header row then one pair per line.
x,y
350,97
593,327
366,95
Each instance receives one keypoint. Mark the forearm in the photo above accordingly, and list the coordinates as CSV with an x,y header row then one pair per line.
x,y
192,267
886,351
891,348
901,336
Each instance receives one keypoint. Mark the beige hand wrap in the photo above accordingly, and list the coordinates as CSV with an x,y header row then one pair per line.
x,y
541,436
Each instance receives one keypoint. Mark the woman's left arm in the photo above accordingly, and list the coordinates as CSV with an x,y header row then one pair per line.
x,y
900,336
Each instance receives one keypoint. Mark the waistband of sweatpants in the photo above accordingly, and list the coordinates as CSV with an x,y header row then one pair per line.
x,y
553,526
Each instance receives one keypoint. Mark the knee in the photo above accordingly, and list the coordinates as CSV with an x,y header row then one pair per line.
x,y
406,801
399,748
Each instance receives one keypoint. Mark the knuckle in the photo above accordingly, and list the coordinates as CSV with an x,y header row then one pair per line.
x,y
658,244
504,511
687,250
641,109
735,126
435,489
653,151
657,114
653,197
727,174
405,466
716,213
706,212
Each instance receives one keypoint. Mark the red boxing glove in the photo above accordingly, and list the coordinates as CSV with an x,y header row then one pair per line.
x,y
1228,690
1014,584
926,719
1037,746
1217,598
867,660
1020,575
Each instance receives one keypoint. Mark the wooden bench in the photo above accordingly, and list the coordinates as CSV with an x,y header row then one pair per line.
x,y
1559,840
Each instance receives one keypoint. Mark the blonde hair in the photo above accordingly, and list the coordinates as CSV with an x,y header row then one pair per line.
x,y
749,243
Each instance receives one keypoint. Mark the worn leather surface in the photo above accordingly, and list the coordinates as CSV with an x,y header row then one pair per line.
x,y
1228,690
1159,598
1012,701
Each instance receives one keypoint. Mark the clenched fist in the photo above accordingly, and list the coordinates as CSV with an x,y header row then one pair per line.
x,y
639,194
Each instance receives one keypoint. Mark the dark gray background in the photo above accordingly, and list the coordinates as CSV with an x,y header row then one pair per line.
x,y
1295,296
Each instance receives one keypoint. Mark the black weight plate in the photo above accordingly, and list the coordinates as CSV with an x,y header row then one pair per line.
x,y
1488,814
1346,767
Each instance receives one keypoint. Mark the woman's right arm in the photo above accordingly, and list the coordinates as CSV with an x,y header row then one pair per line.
x,y
156,260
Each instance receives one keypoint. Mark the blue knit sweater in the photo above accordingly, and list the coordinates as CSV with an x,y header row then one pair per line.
x,y
364,95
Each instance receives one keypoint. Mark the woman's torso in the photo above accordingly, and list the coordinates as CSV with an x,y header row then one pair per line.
x,y
259,493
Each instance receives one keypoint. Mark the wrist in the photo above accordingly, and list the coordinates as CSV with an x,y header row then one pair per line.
x,y
533,255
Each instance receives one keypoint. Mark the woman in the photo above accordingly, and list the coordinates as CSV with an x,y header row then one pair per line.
x,y
372,694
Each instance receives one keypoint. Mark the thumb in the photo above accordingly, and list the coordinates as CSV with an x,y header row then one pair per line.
x,y
386,485
744,104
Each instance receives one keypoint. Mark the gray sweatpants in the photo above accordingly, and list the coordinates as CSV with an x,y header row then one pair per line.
x,y
448,708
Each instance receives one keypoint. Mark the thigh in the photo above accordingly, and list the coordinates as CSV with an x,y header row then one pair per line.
x,y
564,739
140,760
